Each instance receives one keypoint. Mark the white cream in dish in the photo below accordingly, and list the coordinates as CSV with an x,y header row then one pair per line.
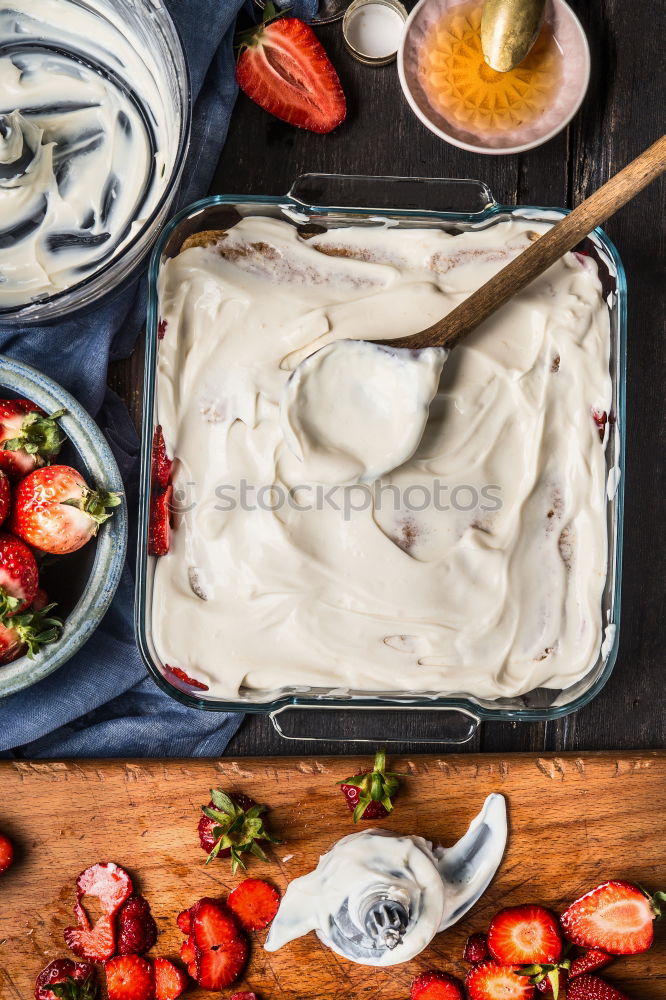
x,y
477,567
378,898
86,144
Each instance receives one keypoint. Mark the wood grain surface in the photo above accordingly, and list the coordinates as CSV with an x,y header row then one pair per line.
x,y
575,820
620,116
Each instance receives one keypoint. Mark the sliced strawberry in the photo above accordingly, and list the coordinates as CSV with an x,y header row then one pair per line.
x,y
213,925
159,528
600,418
283,67
489,981
527,934
616,917
161,329
6,853
5,496
243,996
177,674
370,794
130,977
107,882
436,986
137,930
254,903
231,826
170,981
593,988
95,944
476,948
75,981
184,921
591,961
188,954
161,464
219,967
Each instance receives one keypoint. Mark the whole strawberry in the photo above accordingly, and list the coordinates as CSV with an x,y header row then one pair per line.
x,y
66,980
5,496
6,853
369,794
56,511
19,576
231,825
24,634
593,988
27,437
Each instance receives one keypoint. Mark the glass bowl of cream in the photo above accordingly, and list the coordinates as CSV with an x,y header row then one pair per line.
x,y
479,580
94,128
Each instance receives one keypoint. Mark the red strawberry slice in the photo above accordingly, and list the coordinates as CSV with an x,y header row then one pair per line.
x,y
476,948
221,949
284,68
170,981
591,961
527,935
616,917
600,418
254,903
436,986
188,955
130,977
159,527
489,981
19,576
178,674
95,944
137,930
6,853
161,464
593,988
5,496
79,976
107,882
184,921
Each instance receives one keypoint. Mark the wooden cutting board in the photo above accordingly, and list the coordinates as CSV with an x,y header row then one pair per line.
x,y
575,821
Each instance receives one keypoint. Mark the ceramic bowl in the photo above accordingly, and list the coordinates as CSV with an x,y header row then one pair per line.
x,y
83,583
571,40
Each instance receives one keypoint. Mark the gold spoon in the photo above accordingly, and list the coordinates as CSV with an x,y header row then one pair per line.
x,y
509,29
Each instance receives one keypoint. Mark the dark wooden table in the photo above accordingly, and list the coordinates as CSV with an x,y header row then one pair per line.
x,y
622,114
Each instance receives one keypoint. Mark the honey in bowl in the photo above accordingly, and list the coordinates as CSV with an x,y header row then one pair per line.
x,y
461,86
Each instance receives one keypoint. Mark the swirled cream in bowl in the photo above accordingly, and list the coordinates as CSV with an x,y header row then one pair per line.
x,y
94,124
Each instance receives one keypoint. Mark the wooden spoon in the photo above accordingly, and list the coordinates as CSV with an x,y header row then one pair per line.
x,y
539,256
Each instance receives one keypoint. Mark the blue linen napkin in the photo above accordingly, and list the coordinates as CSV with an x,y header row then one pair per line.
x,y
101,703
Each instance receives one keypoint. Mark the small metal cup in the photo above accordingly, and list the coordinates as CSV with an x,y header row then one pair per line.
x,y
379,8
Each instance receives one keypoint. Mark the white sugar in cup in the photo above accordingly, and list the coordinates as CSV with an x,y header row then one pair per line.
x,y
373,30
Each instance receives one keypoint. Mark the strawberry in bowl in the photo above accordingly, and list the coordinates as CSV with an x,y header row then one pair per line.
x,y
64,526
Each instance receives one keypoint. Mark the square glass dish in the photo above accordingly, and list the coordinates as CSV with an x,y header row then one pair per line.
x,y
332,201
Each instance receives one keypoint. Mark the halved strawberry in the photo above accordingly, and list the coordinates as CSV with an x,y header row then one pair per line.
x,y
476,948
616,917
231,826
593,988
489,981
221,948
591,961
284,68
159,527
130,977
436,986
254,903
161,464
528,934
370,794
170,981
66,980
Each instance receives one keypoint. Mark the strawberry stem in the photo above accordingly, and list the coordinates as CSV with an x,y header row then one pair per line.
x,y
378,785
95,504
39,435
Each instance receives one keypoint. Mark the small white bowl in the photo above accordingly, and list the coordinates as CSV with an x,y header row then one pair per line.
x,y
569,36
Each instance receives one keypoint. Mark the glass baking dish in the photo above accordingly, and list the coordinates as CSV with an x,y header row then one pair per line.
x,y
332,201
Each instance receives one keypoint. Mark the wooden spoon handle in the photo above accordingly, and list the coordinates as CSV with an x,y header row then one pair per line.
x,y
543,252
